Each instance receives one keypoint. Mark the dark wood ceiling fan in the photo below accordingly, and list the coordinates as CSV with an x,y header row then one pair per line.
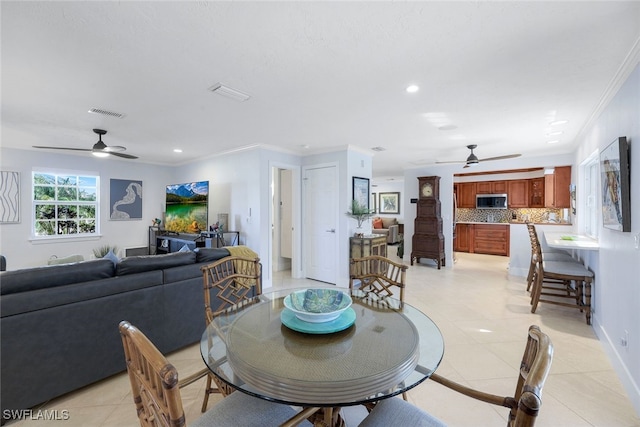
x,y
99,149
473,160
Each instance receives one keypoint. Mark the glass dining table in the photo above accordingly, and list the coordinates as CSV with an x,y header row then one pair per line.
x,y
381,349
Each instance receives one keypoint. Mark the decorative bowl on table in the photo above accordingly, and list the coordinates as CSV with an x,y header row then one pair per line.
x,y
318,305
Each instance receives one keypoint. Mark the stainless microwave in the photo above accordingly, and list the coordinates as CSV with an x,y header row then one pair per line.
x,y
491,201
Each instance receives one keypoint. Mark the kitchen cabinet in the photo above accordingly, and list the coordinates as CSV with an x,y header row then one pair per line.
x,y
518,193
556,188
491,239
536,193
462,240
491,187
467,195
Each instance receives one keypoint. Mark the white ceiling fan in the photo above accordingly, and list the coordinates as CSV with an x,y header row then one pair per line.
x,y
473,160
99,149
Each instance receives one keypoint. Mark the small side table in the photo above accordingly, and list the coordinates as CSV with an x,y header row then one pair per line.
x,y
368,245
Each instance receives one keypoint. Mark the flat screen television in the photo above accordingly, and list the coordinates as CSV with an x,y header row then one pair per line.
x,y
187,207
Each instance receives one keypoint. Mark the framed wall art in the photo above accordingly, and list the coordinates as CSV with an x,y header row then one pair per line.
x,y
126,199
9,197
389,203
614,184
361,191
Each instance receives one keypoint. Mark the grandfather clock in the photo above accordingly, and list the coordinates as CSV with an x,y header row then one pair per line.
x,y
428,240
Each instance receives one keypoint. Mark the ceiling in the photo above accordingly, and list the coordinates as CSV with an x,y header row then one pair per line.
x,y
321,75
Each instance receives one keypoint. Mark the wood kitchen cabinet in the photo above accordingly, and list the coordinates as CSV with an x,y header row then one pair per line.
x,y
491,239
462,243
556,188
466,195
536,193
518,193
491,187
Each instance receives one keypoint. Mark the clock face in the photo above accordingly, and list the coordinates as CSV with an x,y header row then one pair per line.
x,y
427,190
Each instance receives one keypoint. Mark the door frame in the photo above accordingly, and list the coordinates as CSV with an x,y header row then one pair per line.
x,y
296,220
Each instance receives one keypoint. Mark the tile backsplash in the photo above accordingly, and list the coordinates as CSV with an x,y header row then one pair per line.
x,y
536,215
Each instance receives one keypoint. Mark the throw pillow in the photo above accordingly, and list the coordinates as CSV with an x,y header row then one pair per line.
x,y
377,223
184,248
112,257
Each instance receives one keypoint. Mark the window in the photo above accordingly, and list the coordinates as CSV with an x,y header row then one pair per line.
x,y
65,204
590,206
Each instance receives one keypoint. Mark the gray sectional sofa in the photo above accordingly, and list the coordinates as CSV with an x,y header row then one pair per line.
x,y
59,324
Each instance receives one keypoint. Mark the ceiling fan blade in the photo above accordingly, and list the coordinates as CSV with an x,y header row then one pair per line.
x,y
454,161
114,148
508,156
124,156
62,148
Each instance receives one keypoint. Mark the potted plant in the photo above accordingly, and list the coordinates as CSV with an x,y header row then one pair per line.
x,y
360,213
103,250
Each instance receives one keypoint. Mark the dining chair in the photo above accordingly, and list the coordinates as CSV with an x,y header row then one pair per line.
x,y
156,392
524,406
378,276
226,282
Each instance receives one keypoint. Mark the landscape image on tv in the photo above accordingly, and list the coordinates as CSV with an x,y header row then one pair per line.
x,y
187,207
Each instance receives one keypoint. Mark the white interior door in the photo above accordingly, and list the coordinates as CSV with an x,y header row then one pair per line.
x,y
320,223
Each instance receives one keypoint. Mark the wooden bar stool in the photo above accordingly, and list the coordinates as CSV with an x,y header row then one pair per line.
x,y
549,254
566,273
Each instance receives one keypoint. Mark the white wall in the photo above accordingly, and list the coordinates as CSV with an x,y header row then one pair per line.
x,y
22,252
617,266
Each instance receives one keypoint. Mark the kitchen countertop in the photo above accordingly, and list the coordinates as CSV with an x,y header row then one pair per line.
x,y
482,222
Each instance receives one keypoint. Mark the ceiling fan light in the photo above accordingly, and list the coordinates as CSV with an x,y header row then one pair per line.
x,y
100,153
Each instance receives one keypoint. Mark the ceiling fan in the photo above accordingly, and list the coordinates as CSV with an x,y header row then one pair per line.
x,y
99,149
473,160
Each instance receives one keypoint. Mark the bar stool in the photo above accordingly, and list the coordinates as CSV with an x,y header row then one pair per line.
x,y
548,254
563,273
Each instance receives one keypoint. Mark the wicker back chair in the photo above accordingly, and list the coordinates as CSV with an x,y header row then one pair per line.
x,y
156,392
381,278
524,405
378,276
228,281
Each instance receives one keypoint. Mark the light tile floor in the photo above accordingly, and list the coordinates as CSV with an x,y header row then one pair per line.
x,y
483,314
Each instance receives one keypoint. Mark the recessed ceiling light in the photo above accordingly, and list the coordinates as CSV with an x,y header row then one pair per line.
x,y
447,127
412,89
554,133
558,122
378,148
555,141
177,150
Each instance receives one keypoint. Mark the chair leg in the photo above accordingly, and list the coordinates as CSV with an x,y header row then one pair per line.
x,y
535,293
587,299
207,391
404,396
530,276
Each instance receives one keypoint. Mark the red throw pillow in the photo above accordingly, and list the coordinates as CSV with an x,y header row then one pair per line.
x,y
377,223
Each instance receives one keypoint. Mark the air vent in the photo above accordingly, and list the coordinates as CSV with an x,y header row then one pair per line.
x,y
228,92
106,113
378,148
